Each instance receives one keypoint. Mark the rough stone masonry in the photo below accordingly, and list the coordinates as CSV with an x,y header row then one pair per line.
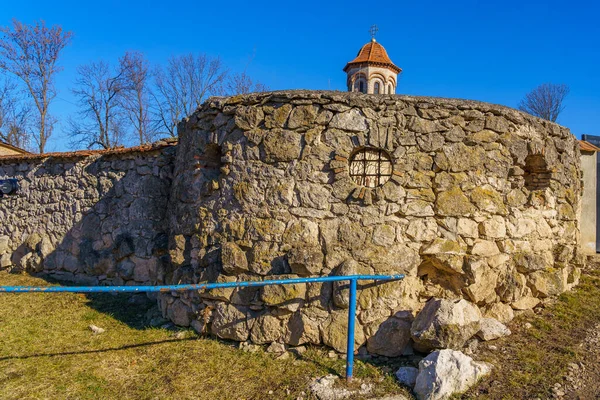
x,y
471,201
90,217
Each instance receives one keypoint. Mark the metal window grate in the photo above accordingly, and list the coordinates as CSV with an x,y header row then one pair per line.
x,y
370,167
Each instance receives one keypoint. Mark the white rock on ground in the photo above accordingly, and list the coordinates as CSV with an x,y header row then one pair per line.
x,y
492,329
446,372
407,376
96,329
323,388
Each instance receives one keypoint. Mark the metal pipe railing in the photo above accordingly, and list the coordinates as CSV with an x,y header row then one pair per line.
x,y
353,279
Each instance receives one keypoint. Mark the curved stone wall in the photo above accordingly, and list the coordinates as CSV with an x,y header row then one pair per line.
x,y
479,202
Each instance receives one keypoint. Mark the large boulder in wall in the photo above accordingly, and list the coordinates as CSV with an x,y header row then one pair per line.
x,y
444,324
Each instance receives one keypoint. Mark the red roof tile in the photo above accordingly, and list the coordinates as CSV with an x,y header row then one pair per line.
x,y
373,53
587,146
86,153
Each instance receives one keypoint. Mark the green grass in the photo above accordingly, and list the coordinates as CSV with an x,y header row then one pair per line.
x,y
532,360
47,351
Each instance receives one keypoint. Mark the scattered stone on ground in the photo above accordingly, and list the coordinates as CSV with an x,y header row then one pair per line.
x,y
583,377
298,351
446,372
324,389
471,346
96,329
492,329
180,335
248,347
407,376
276,347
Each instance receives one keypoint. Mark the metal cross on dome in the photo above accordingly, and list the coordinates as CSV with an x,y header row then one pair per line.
x,y
373,31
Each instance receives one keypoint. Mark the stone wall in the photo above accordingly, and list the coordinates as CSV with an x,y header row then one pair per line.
x,y
95,217
476,204
481,204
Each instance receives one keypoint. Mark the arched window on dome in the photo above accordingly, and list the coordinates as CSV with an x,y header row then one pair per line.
x,y
390,88
376,88
360,86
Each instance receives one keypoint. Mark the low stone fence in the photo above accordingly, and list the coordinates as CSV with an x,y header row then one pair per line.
x,y
92,217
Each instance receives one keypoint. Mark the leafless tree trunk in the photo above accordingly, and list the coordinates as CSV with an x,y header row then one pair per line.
x,y
183,85
545,101
31,52
136,94
14,115
100,120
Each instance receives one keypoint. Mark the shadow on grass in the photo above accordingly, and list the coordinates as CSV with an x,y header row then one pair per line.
x,y
131,309
78,352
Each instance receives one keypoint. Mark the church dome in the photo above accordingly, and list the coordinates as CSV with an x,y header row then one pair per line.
x,y
374,54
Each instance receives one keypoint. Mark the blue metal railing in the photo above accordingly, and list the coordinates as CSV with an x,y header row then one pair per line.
x,y
353,279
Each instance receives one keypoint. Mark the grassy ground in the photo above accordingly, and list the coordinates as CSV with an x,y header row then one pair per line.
x,y
529,362
47,351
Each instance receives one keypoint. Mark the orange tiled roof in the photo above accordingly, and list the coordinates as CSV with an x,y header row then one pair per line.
x,y
587,146
373,53
86,153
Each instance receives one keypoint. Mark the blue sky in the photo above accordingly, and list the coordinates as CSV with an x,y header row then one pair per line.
x,y
483,50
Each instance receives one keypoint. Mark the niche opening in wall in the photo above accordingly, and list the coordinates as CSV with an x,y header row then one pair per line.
x,y
370,167
537,175
209,161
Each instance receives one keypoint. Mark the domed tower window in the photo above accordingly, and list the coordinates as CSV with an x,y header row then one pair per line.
x,y
360,85
390,88
376,88
370,167
372,59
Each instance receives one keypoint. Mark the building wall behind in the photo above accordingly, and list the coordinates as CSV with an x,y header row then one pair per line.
x,y
588,202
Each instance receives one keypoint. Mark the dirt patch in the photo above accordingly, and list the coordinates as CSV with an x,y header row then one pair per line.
x,y
552,353
583,378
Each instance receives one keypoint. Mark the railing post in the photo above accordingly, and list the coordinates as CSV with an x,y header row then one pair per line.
x,y
351,319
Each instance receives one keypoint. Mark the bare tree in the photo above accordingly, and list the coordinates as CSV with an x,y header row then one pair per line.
x,y
135,97
545,101
31,52
243,84
14,115
183,85
100,121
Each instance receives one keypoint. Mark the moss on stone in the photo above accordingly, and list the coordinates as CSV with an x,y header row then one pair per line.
x,y
488,199
453,202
